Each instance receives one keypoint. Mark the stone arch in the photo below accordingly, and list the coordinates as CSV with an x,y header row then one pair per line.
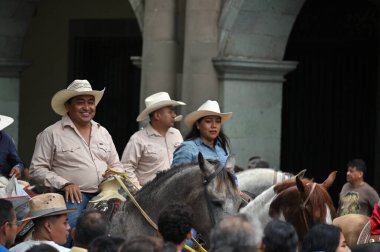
x,y
256,29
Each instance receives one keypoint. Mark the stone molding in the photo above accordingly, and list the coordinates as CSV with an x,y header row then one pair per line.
x,y
11,67
136,61
252,69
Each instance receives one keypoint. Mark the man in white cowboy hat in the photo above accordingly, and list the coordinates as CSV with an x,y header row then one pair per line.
x,y
73,154
10,162
150,150
49,214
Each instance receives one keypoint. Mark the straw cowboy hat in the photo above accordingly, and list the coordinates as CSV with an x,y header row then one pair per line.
x,y
209,108
155,102
47,204
77,87
5,121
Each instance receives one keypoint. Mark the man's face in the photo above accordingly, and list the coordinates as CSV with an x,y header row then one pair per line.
x,y
11,231
353,175
59,228
81,109
167,116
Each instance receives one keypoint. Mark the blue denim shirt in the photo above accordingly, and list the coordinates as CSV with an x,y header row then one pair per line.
x,y
8,155
187,152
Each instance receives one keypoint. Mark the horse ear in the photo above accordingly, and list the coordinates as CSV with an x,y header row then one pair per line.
x,y
230,163
301,174
330,179
300,185
206,168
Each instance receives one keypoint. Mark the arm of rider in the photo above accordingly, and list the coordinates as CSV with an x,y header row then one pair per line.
x,y
72,193
15,171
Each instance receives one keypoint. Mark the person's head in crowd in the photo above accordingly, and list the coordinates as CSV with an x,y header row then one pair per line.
x,y
143,243
280,236
43,247
90,224
356,170
106,243
49,214
233,233
325,237
257,162
174,224
8,225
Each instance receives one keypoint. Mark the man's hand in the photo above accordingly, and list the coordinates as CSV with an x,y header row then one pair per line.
x,y
15,171
72,193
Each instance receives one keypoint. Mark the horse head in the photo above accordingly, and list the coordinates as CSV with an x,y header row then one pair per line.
x,y
303,203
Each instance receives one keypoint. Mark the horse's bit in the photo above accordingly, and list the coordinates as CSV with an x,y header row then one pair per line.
x,y
303,206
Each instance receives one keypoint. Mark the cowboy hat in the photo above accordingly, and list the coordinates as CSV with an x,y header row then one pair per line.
x,y
47,204
5,121
77,87
155,102
209,108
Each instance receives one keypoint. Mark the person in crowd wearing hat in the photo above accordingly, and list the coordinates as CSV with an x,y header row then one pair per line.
x,y
150,150
206,136
49,214
72,155
90,225
8,226
10,162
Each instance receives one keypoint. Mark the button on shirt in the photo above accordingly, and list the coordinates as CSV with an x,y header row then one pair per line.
x,y
187,152
8,155
62,156
148,152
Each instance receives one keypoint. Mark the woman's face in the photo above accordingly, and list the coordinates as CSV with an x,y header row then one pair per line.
x,y
342,245
209,128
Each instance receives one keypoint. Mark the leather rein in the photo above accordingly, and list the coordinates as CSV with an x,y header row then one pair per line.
x,y
303,206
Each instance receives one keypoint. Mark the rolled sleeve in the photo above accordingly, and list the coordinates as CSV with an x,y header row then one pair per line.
x,y
130,158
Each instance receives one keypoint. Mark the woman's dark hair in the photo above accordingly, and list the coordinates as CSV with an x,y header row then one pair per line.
x,y
280,236
195,133
322,237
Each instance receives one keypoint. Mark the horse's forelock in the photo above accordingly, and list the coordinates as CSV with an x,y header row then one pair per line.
x,y
318,200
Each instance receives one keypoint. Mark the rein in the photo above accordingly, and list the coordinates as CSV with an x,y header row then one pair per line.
x,y
303,206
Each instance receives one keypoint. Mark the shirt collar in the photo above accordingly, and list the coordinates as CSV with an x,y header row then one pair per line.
x,y
198,141
66,121
152,131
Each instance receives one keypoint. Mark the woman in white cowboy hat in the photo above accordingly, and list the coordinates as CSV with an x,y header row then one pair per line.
x,y
206,136
10,162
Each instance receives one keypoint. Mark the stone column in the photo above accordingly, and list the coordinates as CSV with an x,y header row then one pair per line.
x,y
252,90
199,80
159,56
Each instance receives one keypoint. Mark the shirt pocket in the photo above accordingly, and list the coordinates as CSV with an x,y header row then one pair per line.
x,y
103,150
151,154
68,152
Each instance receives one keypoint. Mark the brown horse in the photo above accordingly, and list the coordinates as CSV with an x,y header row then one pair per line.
x,y
302,203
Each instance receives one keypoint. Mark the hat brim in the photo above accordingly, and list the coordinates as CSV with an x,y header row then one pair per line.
x,y
191,118
5,121
62,96
145,113
59,212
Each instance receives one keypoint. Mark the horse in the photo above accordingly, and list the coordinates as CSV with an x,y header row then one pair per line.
x,y
300,202
209,189
352,226
255,181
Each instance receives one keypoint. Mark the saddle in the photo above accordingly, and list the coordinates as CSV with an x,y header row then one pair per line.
x,y
365,235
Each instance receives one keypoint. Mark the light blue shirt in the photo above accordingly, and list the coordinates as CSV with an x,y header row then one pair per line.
x,y
187,152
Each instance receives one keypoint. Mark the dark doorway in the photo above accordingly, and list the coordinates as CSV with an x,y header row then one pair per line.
x,y
329,101
100,52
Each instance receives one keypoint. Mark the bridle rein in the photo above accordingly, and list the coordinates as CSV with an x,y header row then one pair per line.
x,y
303,206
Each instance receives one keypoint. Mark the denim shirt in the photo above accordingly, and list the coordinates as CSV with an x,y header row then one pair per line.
x,y
187,152
8,155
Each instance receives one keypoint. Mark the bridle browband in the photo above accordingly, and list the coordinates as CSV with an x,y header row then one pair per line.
x,y
303,206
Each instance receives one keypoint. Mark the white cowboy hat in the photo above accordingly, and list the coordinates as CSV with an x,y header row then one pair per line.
x,y
5,121
77,87
155,102
47,204
209,108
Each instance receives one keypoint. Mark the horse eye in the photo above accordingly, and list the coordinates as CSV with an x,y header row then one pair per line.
x,y
217,203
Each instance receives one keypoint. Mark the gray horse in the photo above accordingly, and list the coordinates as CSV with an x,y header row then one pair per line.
x,y
209,189
257,180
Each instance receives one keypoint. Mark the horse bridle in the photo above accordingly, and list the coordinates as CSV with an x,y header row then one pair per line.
x,y
206,181
303,206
